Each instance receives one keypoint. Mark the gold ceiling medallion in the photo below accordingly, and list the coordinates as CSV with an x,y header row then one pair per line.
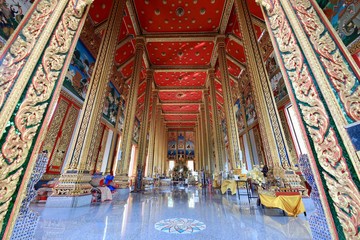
x,y
180,12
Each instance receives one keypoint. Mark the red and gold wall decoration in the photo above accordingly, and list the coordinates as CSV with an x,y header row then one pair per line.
x,y
59,134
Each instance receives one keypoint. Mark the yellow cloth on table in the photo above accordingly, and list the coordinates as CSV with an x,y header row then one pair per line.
x,y
228,184
292,205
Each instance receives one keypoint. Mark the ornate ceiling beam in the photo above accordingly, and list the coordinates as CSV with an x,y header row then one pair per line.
x,y
235,61
180,37
235,38
180,68
180,88
124,41
258,22
235,79
141,95
129,60
133,17
217,80
226,16
99,27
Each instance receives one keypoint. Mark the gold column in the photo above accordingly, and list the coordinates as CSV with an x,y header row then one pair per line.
x,y
123,166
232,131
205,138
196,162
157,141
154,113
219,145
75,180
270,124
32,71
210,161
163,159
144,125
323,84
201,145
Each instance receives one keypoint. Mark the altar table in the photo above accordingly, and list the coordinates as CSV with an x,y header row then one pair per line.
x,y
228,184
292,205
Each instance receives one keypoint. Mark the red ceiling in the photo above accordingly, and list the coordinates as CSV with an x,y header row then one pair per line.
x,y
124,53
166,16
180,53
99,10
181,96
235,50
179,15
180,108
192,117
255,9
180,124
188,79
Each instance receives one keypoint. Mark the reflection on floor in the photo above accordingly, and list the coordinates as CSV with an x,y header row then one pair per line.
x,y
190,213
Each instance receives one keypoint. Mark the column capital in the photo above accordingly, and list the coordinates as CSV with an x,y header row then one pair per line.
x,y
149,73
220,40
140,42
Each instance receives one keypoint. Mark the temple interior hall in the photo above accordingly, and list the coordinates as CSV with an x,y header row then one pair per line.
x,y
179,119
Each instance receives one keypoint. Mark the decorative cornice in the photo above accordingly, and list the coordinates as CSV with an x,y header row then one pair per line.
x,y
235,61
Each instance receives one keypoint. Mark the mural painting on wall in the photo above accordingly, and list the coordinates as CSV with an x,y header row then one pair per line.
x,y
77,78
172,145
344,17
276,79
11,13
239,116
122,107
181,145
136,130
190,145
250,111
111,105
224,129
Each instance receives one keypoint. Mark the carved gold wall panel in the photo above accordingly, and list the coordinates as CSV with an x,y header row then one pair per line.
x,y
19,146
331,165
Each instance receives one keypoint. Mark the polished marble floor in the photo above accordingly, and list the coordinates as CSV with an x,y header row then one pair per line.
x,y
189,213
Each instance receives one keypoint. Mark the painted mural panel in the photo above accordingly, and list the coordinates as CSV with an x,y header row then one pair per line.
x,y
224,130
78,77
122,107
172,143
11,14
250,111
190,145
344,17
239,116
181,145
111,105
276,79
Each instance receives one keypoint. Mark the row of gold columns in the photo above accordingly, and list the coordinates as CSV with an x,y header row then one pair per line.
x,y
154,113
232,131
144,130
272,132
127,138
217,134
75,180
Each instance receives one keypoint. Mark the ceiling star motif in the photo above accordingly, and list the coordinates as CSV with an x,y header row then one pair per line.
x,y
180,53
179,15
177,79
